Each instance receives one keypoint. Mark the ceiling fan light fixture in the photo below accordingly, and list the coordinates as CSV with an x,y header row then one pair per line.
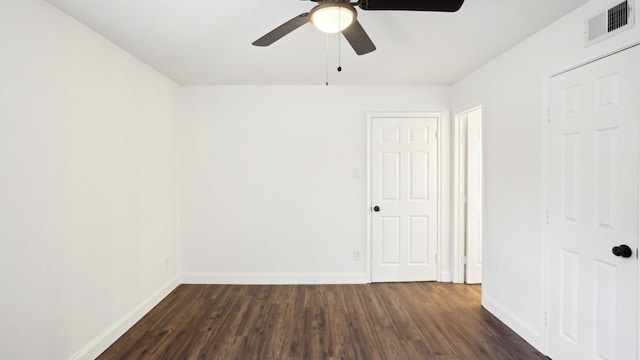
x,y
333,17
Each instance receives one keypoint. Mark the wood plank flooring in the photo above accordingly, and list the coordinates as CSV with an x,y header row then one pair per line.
x,y
374,321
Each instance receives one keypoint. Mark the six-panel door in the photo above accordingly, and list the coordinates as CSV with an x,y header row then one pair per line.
x,y
404,186
593,197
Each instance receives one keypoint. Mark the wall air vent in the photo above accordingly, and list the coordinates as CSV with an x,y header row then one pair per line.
x,y
611,21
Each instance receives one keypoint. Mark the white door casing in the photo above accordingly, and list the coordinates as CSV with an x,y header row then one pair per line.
x,y
461,225
474,198
404,187
593,207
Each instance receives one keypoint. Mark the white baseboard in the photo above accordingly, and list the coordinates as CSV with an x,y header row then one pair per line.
x,y
516,324
273,278
111,334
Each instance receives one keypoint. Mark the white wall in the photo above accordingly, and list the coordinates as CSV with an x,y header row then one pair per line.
x,y
268,193
88,186
513,91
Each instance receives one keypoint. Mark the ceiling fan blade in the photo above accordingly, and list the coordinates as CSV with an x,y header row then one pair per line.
x,y
358,38
411,5
282,30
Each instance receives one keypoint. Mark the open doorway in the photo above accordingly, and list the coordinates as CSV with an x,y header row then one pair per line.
x,y
467,202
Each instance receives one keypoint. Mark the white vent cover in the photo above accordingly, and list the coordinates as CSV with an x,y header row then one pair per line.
x,y
613,20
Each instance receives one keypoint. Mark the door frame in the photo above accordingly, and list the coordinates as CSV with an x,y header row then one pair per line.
x,y
545,153
459,172
443,271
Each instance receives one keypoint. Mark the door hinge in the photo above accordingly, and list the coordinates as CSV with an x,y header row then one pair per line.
x,y
466,200
546,318
436,134
464,260
548,114
548,216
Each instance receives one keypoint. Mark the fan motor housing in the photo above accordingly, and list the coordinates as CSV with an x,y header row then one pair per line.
x,y
412,5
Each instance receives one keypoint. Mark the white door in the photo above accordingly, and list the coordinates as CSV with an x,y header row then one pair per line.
x,y
593,197
474,198
404,198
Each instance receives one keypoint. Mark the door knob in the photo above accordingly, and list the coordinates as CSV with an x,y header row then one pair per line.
x,y
622,250
376,208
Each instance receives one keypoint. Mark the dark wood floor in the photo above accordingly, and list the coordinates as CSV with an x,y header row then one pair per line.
x,y
374,321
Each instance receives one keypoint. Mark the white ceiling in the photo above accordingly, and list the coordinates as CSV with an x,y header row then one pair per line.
x,y
208,42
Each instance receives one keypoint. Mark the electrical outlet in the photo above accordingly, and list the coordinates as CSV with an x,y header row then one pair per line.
x,y
356,255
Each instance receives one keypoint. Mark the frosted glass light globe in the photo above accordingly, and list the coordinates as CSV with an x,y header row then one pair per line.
x,y
332,18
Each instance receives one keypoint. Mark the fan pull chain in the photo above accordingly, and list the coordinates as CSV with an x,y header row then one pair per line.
x,y
339,43
339,52
326,68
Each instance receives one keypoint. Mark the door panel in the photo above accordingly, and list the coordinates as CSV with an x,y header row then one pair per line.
x,y
404,185
390,239
418,236
390,175
418,176
593,198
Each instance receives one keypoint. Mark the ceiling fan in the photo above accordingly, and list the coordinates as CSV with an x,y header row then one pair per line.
x,y
333,16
